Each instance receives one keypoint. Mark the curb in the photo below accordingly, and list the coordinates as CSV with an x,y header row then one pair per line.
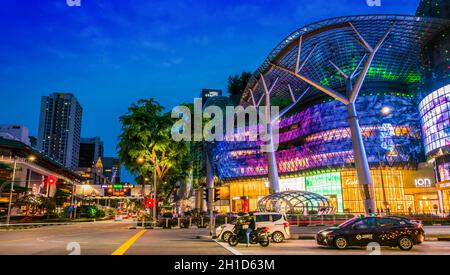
x,y
204,237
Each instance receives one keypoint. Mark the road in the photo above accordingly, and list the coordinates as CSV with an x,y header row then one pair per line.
x,y
311,230
106,238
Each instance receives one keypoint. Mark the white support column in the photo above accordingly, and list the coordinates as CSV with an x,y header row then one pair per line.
x,y
271,156
361,163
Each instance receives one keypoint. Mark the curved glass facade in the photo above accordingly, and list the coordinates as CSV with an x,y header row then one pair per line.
x,y
435,114
318,138
315,152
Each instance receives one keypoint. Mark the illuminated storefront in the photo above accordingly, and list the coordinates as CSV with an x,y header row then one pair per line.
x,y
291,184
329,186
421,186
444,188
388,188
244,195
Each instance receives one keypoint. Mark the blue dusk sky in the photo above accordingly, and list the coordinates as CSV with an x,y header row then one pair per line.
x,y
111,53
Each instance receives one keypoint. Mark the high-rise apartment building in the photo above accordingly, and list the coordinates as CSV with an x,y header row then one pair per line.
x,y
111,169
90,150
60,128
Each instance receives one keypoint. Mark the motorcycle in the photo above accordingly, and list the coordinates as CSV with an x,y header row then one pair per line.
x,y
259,235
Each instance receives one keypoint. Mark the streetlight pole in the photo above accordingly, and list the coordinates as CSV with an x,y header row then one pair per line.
x,y
11,191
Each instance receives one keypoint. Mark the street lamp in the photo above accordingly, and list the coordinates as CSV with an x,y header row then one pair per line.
x,y
141,160
386,110
154,191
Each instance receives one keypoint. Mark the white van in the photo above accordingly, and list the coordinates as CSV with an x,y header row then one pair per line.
x,y
277,223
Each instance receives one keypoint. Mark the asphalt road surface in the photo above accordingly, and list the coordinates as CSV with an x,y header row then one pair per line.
x,y
106,238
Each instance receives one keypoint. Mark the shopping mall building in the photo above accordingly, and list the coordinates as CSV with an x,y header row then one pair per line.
x,y
403,108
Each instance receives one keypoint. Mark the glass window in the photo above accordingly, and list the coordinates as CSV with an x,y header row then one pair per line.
x,y
276,217
386,222
262,218
367,223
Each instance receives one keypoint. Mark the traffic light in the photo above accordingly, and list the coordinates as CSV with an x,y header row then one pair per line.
x,y
150,202
206,194
51,180
216,194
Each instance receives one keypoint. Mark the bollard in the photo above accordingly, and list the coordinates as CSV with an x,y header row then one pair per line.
x,y
322,220
201,222
179,223
334,219
190,222
226,220
309,220
167,223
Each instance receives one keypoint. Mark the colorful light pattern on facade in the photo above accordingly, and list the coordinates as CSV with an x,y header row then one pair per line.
x,y
435,114
327,185
322,139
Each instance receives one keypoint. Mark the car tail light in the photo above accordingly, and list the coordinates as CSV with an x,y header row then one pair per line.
x,y
286,224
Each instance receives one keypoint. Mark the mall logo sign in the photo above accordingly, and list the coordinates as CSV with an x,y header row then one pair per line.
x,y
373,3
73,3
422,183
208,124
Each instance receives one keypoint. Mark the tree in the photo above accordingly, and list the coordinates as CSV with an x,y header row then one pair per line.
x,y
145,137
63,193
31,202
237,84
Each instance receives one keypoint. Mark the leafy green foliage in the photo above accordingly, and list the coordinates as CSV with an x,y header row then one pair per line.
x,y
146,137
237,84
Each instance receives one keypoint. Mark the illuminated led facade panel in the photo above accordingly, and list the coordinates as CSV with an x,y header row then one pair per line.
x,y
319,137
388,187
329,186
291,184
435,114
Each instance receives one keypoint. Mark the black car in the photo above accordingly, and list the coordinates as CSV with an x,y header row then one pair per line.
x,y
386,231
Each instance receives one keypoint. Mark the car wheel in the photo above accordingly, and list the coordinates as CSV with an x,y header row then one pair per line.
x,y
340,242
405,243
226,236
277,237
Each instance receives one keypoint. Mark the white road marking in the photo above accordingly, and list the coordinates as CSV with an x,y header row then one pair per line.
x,y
229,248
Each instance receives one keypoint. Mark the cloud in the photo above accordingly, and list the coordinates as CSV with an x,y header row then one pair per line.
x,y
173,62
154,45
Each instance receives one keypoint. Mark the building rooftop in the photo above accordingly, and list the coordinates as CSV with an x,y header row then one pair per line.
x,y
341,41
